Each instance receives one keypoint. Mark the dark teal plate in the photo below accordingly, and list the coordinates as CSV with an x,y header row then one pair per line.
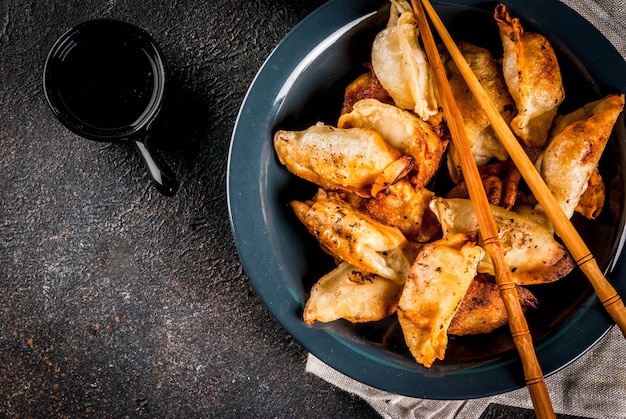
x,y
301,83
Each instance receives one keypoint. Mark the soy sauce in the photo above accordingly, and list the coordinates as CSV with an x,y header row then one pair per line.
x,y
106,78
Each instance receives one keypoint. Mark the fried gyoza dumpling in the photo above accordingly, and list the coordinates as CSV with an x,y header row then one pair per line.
x,y
484,143
592,200
529,247
500,181
366,86
482,309
403,131
353,236
351,294
434,289
403,207
533,77
400,63
575,148
333,158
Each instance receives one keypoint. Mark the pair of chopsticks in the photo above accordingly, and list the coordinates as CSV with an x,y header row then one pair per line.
x,y
487,225
562,225
580,252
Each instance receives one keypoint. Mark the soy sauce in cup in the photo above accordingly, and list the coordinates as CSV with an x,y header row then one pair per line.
x,y
105,80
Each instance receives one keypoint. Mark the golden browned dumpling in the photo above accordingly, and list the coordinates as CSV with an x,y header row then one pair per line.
x,y
333,158
434,289
403,207
500,181
529,247
366,86
592,200
482,309
351,294
575,148
354,237
403,131
533,77
400,63
484,143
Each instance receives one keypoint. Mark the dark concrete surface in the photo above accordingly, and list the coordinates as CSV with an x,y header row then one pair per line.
x,y
116,301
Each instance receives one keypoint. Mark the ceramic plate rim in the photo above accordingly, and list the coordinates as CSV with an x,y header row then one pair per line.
x,y
248,217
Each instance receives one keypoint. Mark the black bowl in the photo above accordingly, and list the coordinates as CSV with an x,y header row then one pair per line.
x,y
104,79
301,83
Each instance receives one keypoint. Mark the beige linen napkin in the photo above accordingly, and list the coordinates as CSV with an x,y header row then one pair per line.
x,y
609,16
594,386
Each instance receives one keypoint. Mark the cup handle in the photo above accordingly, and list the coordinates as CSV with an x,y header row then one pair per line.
x,y
163,180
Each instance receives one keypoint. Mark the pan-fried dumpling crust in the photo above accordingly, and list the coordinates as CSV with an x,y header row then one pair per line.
x,y
500,181
482,309
351,294
400,63
592,200
403,207
394,172
575,148
533,76
484,142
434,289
333,158
403,131
530,250
353,236
366,86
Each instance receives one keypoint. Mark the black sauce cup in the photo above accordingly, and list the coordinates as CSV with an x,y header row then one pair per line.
x,y
105,80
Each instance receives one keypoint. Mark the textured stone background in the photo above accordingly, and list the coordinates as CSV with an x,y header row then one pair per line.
x,y
114,300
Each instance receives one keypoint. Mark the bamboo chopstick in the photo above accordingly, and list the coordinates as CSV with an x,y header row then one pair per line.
x,y
488,228
607,295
